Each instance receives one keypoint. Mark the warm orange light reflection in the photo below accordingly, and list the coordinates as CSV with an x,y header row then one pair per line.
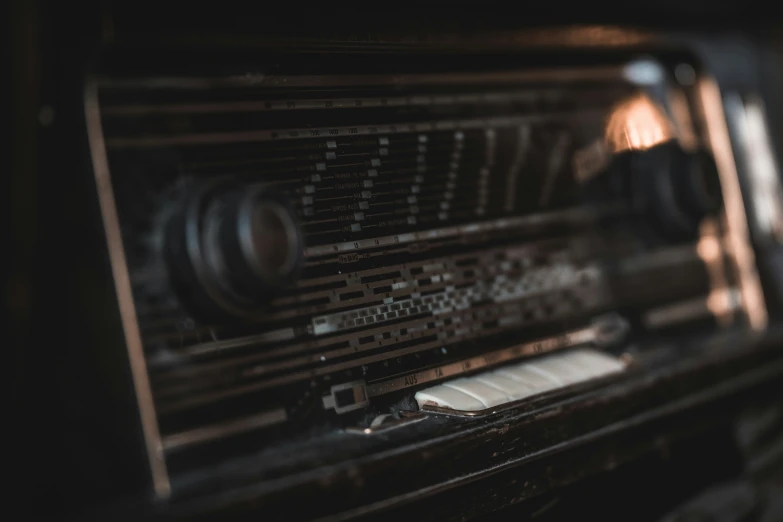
x,y
637,123
708,249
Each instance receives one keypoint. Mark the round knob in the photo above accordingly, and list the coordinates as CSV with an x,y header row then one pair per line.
x,y
699,184
672,188
235,246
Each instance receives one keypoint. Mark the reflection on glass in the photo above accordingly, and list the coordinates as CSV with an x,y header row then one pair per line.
x,y
636,124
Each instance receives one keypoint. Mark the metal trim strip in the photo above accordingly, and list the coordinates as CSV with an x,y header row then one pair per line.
x,y
149,423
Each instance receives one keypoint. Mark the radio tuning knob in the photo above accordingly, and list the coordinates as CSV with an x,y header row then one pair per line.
x,y
233,248
675,189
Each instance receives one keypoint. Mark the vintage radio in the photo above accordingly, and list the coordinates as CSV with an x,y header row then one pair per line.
x,y
363,252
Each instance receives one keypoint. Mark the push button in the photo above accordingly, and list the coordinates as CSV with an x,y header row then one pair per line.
x,y
560,368
450,398
595,363
488,390
534,377
488,395
510,387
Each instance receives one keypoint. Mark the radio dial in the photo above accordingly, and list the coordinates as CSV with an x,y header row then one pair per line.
x,y
673,188
241,244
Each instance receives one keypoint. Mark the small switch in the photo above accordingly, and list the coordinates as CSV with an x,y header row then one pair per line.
x,y
347,397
